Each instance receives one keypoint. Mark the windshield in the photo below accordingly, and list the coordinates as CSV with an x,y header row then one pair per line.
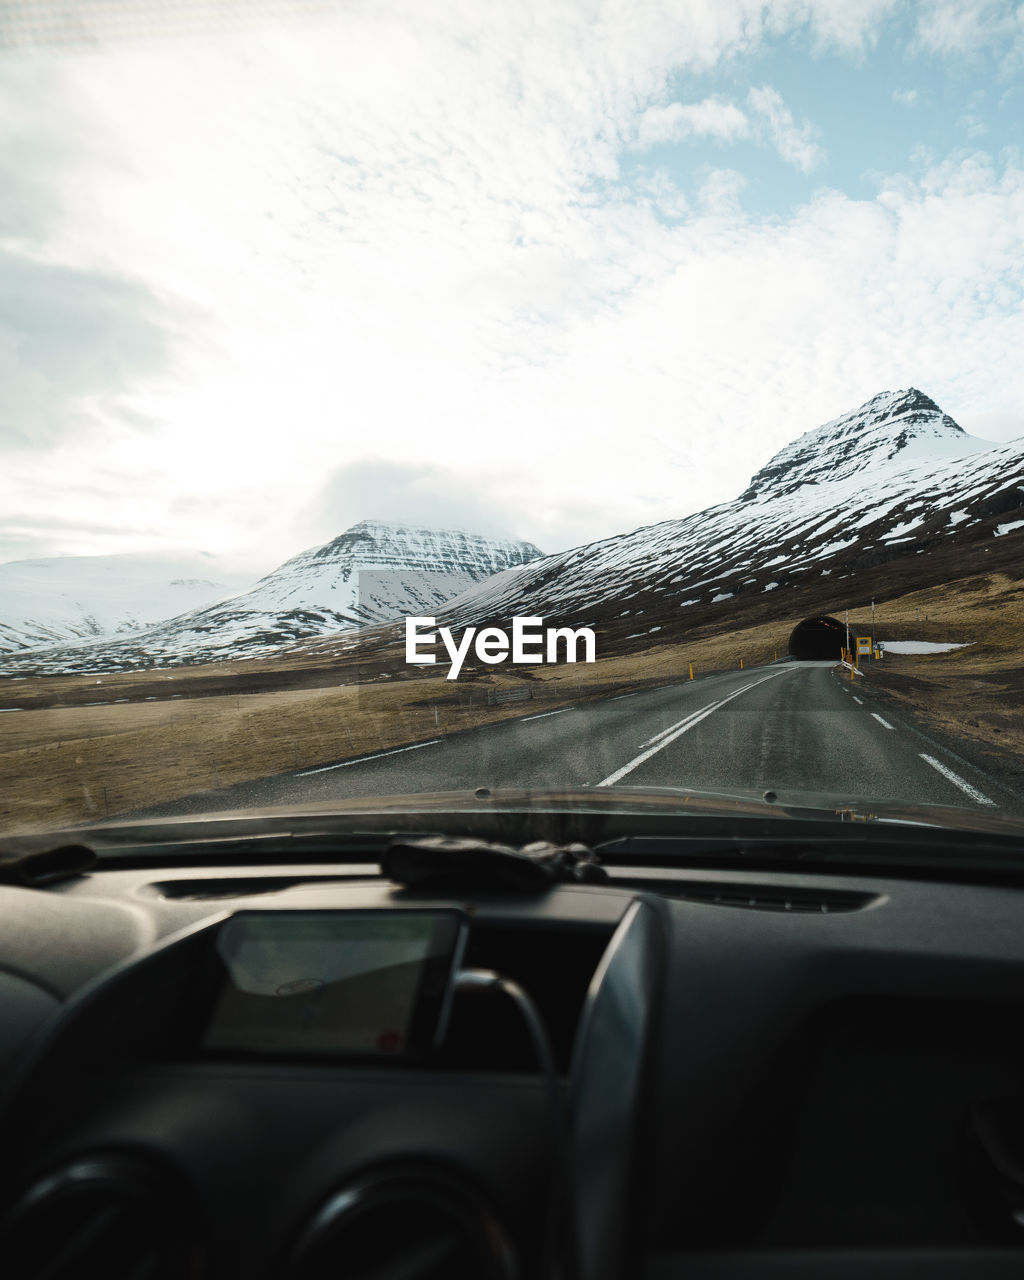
x,y
401,399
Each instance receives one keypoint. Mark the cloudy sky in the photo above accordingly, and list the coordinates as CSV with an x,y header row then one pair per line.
x,y
555,268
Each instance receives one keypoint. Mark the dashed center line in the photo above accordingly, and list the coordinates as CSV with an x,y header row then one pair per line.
x,y
541,714
957,781
884,723
859,701
379,755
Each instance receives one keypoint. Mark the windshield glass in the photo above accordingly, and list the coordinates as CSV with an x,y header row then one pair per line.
x,y
400,399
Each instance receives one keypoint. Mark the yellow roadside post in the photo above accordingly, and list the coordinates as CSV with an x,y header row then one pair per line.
x,y
741,664
691,670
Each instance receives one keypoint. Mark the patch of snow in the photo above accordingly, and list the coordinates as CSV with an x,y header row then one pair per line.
x,y
833,548
722,595
770,587
903,527
1005,528
920,646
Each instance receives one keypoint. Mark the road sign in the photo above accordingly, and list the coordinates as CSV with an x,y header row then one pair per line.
x,y
863,644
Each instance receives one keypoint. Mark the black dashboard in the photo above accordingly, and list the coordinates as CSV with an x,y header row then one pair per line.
x,y
761,1073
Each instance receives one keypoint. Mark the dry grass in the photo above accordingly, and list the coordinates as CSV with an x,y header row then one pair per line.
x,y
65,764
974,694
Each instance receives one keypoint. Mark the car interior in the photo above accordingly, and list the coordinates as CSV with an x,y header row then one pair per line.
x,y
664,1057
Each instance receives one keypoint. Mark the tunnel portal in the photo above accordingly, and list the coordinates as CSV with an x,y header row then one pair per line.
x,y
820,638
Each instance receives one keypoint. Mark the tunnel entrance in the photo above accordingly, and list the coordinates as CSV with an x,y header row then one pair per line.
x,y
820,638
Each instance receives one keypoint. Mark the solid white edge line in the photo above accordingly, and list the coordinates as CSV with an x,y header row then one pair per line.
x,y
541,714
955,778
884,723
685,728
344,764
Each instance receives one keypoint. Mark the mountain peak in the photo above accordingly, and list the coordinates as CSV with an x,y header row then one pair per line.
x,y
383,544
893,431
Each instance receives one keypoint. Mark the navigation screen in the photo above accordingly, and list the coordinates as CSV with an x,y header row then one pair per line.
x,y
336,983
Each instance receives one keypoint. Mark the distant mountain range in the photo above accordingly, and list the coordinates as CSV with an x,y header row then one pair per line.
x,y
74,598
890,497
373,572
881,501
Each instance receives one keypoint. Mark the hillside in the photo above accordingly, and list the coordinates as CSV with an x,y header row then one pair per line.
x,y
371,573
889,497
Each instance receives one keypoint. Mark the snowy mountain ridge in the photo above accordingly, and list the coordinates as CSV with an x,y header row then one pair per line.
x,y
892,431
371,573
893,479
879,501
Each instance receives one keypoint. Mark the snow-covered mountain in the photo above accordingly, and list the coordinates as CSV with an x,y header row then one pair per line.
x,y
371,573
886,496
881,501
73,598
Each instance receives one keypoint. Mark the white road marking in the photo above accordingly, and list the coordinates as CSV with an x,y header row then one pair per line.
x,y
677,731
685,720
344,764
624,695
957,781
12,708
542,714
884,723
859,701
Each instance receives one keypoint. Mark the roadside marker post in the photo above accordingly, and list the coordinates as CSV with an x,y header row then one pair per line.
x,y
691,670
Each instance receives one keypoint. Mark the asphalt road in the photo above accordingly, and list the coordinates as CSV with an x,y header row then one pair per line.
x,y
796,728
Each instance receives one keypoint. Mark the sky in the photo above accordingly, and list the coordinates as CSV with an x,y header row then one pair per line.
x,y
553,269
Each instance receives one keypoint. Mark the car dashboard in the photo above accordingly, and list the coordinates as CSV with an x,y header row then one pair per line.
x,y
755,1074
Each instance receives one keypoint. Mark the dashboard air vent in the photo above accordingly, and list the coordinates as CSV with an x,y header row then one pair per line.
x,y
114,1216
417,1224
762,897
757,897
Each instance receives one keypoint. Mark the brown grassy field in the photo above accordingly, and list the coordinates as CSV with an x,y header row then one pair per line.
x,y
973,695
178,733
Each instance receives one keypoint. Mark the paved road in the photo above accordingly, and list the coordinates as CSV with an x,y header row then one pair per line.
x,y
797,728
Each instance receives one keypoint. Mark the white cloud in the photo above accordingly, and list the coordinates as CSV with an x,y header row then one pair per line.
x,y
965,28
721,190
906,97
403,233
796,143
723,120
711,118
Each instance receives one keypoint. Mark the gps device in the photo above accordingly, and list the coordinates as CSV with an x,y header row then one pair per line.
x,y
365,984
